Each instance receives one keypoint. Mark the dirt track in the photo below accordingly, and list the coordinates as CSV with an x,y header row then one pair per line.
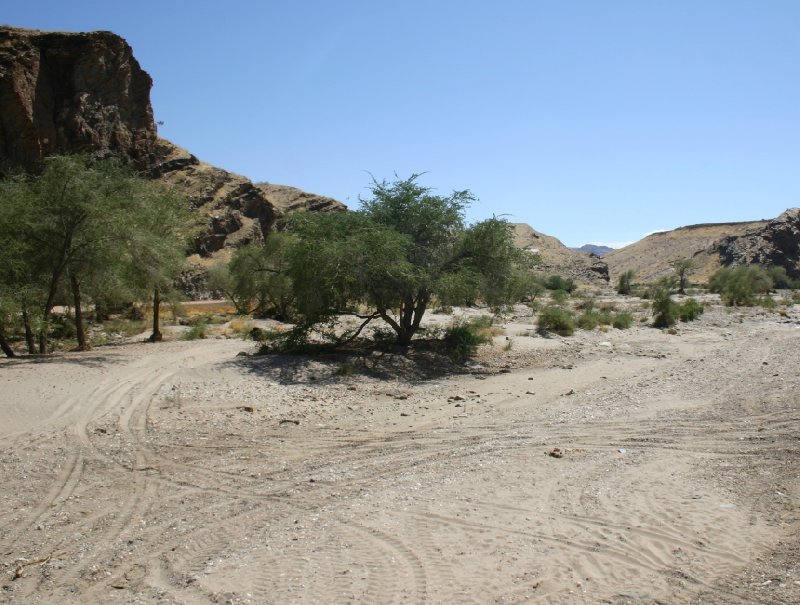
x,y
181,473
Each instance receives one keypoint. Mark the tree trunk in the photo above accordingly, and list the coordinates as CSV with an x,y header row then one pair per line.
x,y
4,343
76,295
156,336
30,339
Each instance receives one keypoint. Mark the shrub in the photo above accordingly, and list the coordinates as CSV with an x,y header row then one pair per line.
x,y
738,286
767,302
559,297
625,283
556,282
690,310
665,310
198,330
556,319
462,340
622,321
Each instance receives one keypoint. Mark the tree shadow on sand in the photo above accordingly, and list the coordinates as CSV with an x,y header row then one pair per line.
x,y
415,364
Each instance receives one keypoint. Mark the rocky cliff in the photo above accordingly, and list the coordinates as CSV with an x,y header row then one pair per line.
x,y
69,93
776,243
556,258
65,93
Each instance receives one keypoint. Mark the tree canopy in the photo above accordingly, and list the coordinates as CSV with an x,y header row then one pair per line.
x,y
88,227
389,260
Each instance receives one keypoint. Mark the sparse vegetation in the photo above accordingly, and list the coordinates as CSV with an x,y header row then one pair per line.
x,y
625,283
740,286
557,320
690,310
462,339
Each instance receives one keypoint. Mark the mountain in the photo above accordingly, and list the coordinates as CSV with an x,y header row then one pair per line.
x,y
593,249
558,259
86,92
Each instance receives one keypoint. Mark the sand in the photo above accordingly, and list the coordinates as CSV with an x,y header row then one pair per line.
x,y
630,466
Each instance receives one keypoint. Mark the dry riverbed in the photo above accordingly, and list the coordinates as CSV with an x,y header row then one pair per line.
x,y
629,466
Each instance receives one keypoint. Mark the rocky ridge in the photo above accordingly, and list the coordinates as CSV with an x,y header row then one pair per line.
x,y
559,259
776,243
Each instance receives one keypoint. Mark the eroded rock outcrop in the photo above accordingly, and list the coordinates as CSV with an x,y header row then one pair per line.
x,y
776,243
67,93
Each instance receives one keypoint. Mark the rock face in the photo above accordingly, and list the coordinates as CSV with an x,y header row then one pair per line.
x,y
66,93
557,259
776,243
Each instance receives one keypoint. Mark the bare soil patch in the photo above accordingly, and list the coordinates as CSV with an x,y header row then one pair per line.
x,y
183,473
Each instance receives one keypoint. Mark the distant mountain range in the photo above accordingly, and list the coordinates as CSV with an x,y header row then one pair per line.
x,y
594,249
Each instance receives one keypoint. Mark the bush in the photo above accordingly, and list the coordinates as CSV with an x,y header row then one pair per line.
x,y
665,310
738,286
198,330
690,310
625,283
559,297
556,319
556,282
462,340
622,321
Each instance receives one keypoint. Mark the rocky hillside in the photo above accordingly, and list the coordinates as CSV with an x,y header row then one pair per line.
x,y
776,243
558,259
68,93
711,246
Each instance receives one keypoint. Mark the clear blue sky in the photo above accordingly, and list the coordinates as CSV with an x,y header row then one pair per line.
x,y
593,121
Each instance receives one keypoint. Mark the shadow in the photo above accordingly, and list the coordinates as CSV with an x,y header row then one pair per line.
x,y
89,359
415,364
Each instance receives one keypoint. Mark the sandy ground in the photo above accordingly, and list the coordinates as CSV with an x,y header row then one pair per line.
x,y
183,473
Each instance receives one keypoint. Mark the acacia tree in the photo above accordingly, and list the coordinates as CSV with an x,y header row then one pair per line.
x,y
401,249
682,268
256,279
80,221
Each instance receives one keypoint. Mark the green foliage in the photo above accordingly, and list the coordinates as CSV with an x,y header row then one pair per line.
x,y
403,249
559,297
463,339
665,310
682,268
690,310
780,279
256,279
622,320
555,319
625,283
738,286
198,330
556,282
88,228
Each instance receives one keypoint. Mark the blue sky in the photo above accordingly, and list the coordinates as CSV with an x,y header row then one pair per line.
x,y
592,121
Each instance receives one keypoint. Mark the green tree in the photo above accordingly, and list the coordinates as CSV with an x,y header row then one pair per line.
x,y
404,247
256,279
682,269
90,226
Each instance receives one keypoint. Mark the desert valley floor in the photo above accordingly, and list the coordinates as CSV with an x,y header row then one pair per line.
x,y
631,466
